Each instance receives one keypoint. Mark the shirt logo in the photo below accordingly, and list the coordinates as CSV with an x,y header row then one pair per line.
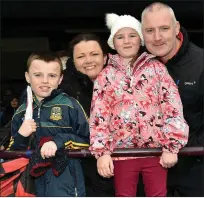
x,y
190,83
56,113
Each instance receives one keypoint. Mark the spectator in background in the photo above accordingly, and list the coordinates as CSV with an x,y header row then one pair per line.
x,y
9,110
6,98
165,38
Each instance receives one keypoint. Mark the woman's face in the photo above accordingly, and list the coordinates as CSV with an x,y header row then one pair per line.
x,y
14,102
89,58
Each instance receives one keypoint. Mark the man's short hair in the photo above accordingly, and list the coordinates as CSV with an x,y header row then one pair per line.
x,y
157,6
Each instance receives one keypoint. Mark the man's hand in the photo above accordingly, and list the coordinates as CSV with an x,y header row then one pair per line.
x,y
48,149
168,159
27,128
105,166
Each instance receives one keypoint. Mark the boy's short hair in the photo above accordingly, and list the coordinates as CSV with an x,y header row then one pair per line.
x,y
44,56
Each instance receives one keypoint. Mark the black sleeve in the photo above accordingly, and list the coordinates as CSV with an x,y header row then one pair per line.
x,y
201,84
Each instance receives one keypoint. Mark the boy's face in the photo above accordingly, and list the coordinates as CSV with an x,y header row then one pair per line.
x,y
43,77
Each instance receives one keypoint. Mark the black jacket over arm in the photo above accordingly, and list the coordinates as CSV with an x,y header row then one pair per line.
x,y
186,68
78,86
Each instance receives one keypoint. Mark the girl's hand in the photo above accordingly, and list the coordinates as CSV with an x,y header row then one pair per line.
x,y
168,159
105,166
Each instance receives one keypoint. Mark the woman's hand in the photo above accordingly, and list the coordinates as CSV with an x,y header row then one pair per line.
x,y
105,166
48,149
27,127
168,159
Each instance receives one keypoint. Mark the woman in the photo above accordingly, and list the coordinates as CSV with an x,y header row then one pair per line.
x,y
87,54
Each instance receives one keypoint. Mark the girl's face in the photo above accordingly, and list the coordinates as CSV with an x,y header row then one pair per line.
x,y
14,102
127,42
89,58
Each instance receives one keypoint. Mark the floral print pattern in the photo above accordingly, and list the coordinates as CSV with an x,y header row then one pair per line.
x,y
137,109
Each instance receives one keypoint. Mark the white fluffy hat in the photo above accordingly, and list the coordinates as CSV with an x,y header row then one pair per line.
x,y
115,22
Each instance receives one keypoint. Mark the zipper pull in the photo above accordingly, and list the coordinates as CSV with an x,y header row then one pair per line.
x,y
38,112
76,194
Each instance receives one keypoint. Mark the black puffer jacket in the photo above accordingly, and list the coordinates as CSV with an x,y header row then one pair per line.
x,y
186,68
78,86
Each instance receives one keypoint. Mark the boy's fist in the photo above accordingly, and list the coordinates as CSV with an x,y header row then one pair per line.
x,y
48,149
27,128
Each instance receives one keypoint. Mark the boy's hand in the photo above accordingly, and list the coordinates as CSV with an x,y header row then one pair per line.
x,y
48,149
168,159
105,166
27,128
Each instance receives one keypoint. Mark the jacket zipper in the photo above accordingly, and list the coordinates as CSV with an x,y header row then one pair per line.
x,y
76,194
39,111
75,180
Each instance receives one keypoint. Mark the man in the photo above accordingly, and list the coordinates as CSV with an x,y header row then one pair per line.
x,y
164,38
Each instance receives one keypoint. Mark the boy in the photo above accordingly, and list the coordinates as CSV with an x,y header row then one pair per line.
x,y
58,122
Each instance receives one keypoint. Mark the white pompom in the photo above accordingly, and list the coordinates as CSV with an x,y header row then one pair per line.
x,y
110,19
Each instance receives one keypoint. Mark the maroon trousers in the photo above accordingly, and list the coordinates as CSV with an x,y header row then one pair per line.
x,y
126,175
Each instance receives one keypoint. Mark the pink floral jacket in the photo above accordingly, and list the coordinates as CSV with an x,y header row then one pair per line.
x,y
136,108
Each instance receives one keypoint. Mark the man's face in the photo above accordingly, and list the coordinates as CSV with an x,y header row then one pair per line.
x,y
43,77
160,32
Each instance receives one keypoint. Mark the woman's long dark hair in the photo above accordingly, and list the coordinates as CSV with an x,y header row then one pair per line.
x,y
86,37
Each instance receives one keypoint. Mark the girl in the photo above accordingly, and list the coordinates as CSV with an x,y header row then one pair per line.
x,y
135,104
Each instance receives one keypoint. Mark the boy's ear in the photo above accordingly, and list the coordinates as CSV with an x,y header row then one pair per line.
x,y
27,77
